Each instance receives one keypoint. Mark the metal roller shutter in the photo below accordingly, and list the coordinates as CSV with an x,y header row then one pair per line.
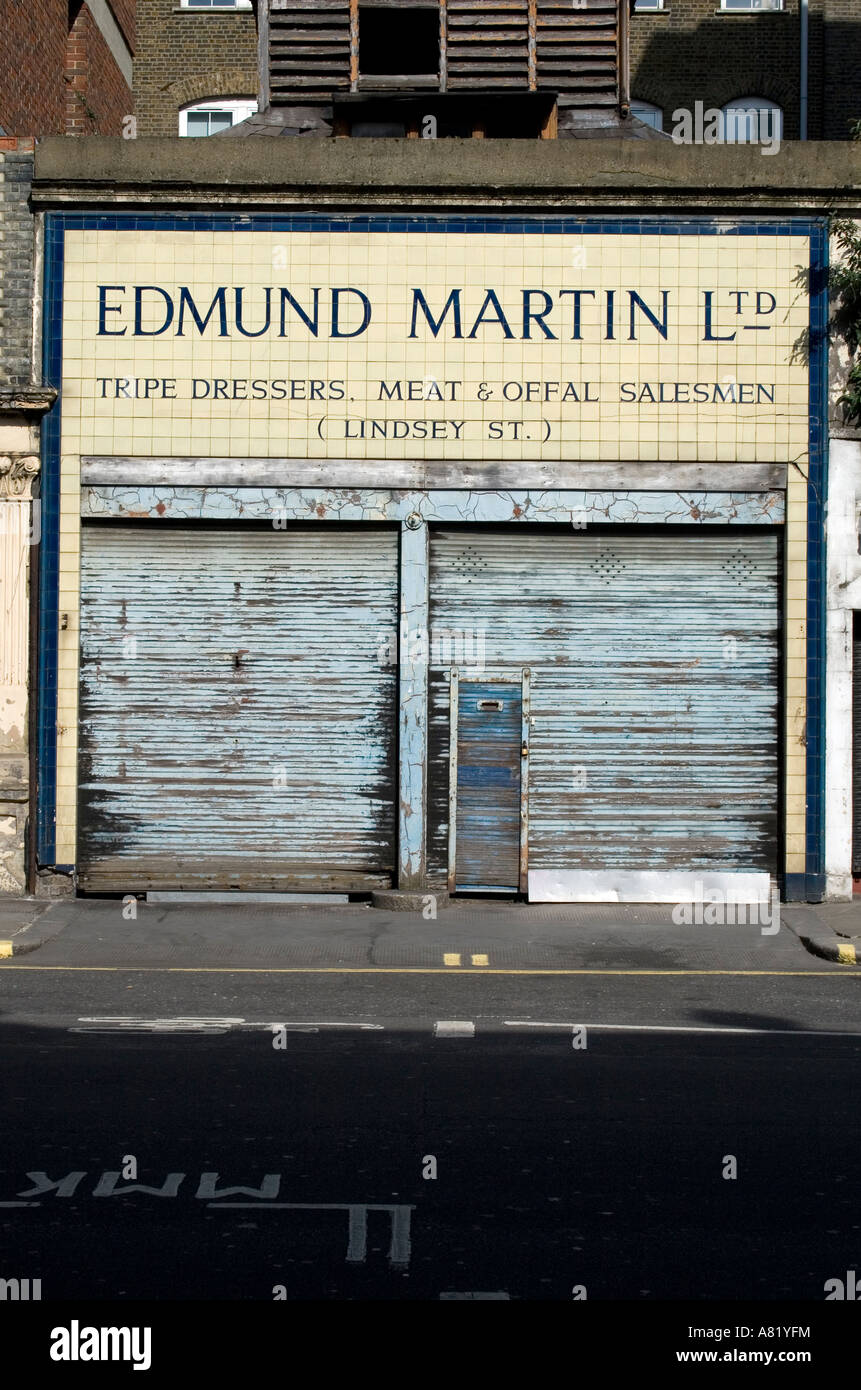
x,y
654,690
237,721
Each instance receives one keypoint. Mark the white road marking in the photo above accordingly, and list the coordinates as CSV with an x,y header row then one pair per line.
x,y
365,1027
679,1028
444,1028
357,1212
155,1025
181,1018
126,1024
454,1028
475,1296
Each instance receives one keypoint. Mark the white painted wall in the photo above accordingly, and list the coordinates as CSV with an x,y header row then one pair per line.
x,y
844,595
18,511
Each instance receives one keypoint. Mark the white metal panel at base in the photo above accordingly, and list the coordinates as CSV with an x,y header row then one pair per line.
x,y
645,886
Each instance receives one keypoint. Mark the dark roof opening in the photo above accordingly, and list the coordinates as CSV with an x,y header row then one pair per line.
x,y
398,42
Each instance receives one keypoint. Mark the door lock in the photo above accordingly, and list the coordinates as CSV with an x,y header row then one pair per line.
x,y
524,751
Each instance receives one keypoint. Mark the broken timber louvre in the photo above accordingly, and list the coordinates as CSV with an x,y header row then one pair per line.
x,y
338,55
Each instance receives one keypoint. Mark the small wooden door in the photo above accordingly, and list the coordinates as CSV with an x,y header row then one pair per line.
x,y
489,734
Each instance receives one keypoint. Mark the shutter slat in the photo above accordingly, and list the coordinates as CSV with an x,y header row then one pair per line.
x,y
653,745
252,729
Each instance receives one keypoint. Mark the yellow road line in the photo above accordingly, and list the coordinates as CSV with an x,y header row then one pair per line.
x,y
389,970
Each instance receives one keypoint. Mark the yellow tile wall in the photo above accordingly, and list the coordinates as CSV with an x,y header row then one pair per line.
x,y
386,267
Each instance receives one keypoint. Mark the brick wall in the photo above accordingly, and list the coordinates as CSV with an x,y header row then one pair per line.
x,y
32,99
124,14
186,56
57,82
97,97
16,261
841,68
688,52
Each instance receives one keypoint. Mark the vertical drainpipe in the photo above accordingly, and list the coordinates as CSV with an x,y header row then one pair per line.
x,y
623,58
261,15
802,129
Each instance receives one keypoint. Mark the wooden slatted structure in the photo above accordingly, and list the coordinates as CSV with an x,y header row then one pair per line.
x,y
309,49
487,45
576,51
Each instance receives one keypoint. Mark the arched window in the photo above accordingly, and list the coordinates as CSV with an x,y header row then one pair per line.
x,y
210,117
752,121
648,114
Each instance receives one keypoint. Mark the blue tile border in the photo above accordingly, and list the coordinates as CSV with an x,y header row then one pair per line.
x,y
46,683
480,224
56,225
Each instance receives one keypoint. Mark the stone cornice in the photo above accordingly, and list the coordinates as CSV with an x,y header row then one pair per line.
x,y
36,399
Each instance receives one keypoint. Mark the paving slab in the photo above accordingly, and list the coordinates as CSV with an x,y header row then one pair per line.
x,y
831,931
25,924
466,936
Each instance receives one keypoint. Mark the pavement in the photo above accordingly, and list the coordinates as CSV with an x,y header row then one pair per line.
x,y
468,936
829,930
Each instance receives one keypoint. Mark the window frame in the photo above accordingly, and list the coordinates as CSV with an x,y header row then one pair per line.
x,y
209,7
217,104
652,109
751,7
758,104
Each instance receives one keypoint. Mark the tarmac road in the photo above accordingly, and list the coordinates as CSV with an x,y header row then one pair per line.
x,y
649,1136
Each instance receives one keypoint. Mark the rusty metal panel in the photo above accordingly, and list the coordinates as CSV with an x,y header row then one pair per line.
x,y
654,689
238,706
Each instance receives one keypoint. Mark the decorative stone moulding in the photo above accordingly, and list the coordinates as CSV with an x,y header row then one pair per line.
x,y
17,474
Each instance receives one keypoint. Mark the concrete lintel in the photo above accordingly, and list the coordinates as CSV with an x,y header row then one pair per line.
x,y
636,475
803,174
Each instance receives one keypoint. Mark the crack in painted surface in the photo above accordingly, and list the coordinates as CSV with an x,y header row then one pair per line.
x,y
579,508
